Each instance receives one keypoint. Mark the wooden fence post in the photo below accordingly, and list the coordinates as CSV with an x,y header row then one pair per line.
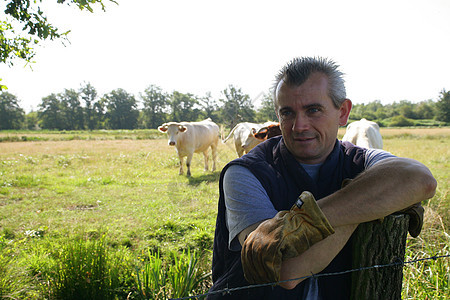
x,y
379,243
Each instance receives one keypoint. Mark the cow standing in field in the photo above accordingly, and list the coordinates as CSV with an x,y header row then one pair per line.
x,y
244,141
190,137
267,132
364,133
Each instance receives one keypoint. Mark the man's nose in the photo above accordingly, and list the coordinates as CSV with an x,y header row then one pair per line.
x,y
301,123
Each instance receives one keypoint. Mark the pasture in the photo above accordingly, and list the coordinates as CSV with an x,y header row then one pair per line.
x,y
123,188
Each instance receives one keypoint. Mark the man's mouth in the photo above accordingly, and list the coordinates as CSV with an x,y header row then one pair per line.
x,y
304,139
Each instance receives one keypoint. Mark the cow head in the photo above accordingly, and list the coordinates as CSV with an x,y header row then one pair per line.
x,y
260,134
172,129
267,132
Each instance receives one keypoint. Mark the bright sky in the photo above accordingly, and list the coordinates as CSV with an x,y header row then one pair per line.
x,y
389,50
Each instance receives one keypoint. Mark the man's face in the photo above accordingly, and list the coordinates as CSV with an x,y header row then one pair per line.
x,y
309,120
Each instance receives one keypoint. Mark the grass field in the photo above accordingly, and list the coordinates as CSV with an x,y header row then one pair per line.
x,y
122,188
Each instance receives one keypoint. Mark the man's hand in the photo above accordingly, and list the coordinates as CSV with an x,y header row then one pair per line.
x,y
415,213
287,235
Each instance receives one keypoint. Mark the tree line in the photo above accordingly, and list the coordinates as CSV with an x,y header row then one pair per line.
x,y
84,109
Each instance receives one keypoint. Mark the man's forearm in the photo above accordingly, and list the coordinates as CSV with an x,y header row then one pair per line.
x,y
316,258
387,187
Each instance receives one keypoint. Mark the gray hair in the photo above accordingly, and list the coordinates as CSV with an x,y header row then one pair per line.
x,y
297,71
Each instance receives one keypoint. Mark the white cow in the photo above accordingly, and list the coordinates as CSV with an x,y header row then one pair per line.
x,y
364,133
190,137
244,140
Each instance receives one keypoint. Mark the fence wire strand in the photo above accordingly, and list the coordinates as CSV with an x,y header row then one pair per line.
x,y
396,263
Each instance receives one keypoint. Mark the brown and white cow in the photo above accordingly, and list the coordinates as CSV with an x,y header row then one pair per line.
x,y
364,133
244,141
193,137
267,132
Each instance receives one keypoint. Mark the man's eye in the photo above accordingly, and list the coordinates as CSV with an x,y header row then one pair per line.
x,y
286,113
313,110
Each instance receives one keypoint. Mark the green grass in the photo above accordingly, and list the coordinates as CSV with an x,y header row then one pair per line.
x,y
117,200
49,135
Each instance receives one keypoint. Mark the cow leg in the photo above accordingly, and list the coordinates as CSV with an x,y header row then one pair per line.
x,y
214,156
188,163
205,155
181,165
239,149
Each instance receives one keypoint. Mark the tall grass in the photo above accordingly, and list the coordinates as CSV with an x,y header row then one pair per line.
x,y
179,276
6,282
428,279
184,275
151,279
85,270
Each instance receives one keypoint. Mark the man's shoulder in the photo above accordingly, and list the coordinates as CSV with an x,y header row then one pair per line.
x,y
350,149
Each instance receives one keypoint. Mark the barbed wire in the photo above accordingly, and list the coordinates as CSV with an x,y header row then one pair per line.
x,y
396,263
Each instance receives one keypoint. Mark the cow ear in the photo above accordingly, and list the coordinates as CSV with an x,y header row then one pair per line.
x,y
262,133
182,128
264,130
163,127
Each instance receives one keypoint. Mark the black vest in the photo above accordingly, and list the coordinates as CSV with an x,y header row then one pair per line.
x,y
284,180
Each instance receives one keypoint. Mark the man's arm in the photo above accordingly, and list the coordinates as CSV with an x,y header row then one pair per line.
x,y
316,258
389,186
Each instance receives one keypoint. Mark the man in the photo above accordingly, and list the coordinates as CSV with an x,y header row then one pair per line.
x,y
269,187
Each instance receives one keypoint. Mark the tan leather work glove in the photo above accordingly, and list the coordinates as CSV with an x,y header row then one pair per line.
x,y
288,234
415,213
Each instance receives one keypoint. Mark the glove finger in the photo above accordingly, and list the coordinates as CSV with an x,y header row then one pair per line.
x,y
248,265
260,263
251,261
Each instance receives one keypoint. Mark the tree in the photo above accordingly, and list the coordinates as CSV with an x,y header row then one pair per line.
x,y
381,113
267,110
100,114
237,107
49,113
71,110
443,107
11,114
182,107
406,109
209,106
27,26
357,111
154,101
425,109
32,120
122,110
89,95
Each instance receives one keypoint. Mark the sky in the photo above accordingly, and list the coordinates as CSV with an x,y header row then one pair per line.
x,y
389,50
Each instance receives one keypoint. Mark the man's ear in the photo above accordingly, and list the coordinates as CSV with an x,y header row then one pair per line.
x,y
345,109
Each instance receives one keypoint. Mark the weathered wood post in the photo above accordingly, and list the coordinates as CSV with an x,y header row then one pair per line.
x,y
379,243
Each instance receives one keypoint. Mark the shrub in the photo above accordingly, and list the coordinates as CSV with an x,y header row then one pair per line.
x,y
400,121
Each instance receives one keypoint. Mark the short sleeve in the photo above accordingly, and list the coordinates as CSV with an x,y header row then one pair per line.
x,y
373,156
246,202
